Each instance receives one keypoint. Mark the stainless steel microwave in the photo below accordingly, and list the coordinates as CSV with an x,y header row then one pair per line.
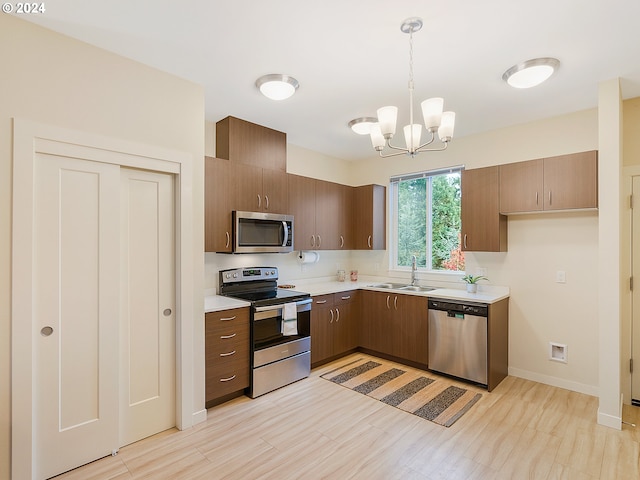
x,y
259,232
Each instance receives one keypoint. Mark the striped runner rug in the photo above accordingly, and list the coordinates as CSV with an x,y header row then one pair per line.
x,y
436,400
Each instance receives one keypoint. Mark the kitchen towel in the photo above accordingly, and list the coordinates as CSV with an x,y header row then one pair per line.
x,y
290,319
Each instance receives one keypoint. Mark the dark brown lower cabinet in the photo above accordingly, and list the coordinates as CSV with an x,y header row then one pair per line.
x,y
334,325
395,325
414,331
227,354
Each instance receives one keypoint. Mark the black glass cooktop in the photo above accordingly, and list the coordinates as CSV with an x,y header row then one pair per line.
x,y
272,297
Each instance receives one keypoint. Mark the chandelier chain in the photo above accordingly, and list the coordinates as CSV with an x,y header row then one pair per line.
x,y
411,86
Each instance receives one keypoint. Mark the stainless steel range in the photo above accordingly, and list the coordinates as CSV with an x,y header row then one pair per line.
x,y
280,327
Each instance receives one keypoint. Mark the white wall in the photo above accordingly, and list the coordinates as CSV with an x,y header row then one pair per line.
x,y
55,80
610,202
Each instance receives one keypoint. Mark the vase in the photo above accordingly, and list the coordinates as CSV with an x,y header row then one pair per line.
x,y
472,287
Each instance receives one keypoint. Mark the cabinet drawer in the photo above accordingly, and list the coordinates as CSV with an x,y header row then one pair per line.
x,y
221,346
227,318
226,378
323,301
344,297
230,322
217,331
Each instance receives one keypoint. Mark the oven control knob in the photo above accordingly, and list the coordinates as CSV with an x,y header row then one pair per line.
x,y
273,272
267,273
228,275
235,275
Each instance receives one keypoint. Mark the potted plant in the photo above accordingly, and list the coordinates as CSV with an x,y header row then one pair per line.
x,y
472,282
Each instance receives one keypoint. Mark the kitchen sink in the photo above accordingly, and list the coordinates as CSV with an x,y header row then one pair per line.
x,y
403,286
416,288
391,286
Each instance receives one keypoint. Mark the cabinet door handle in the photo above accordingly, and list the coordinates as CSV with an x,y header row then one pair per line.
x,y
266,201
465,241
341,241
319,241
337,314
346,298
224,337
226,319
228,240
233,352
395,302
369,241
388,302
259,201
536,198
313,240
331,321
549,197
227,379
320,302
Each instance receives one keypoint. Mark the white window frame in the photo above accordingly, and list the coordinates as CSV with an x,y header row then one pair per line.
x,y
393,216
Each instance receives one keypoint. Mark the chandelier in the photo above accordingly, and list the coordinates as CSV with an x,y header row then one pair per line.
x,y
435,120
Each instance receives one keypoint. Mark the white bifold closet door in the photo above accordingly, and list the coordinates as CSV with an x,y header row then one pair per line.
x,y
104,309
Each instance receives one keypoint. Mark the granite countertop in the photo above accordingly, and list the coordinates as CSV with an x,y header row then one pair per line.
x,y
487,293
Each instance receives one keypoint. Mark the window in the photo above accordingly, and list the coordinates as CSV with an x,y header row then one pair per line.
x,y
425,219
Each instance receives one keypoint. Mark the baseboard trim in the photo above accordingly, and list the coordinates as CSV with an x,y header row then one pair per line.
x,y
609,420
199,417
555,381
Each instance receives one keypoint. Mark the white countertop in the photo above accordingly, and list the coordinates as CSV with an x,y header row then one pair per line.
x,y
216,303
486,293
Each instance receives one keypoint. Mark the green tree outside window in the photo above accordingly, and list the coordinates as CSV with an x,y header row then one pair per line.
x,y
428,211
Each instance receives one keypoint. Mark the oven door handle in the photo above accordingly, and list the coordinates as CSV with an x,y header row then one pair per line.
x,y
268,308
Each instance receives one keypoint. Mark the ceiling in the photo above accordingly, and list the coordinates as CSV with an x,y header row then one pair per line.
x,y
351,58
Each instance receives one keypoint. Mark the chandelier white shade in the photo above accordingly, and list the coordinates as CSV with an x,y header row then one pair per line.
x,y
277,86
437,122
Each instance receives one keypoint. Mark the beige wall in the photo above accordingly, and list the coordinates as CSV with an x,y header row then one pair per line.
x,y
630,129
56,80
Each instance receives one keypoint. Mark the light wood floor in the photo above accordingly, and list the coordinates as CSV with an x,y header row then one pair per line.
x,y
315,429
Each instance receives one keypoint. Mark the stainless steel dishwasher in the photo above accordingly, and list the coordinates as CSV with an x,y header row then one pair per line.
x,y
458,339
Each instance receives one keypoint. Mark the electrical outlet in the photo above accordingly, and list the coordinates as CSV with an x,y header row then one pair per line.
x,y
561,276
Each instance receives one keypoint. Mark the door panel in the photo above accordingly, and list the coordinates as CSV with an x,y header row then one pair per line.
x,y
147,320
75,312
635,294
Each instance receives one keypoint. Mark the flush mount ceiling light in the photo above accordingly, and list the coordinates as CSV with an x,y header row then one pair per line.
x,y
531,73
277,86
435,120
362,125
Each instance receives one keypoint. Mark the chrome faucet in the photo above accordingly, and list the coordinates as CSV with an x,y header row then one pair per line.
x,y
414,261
